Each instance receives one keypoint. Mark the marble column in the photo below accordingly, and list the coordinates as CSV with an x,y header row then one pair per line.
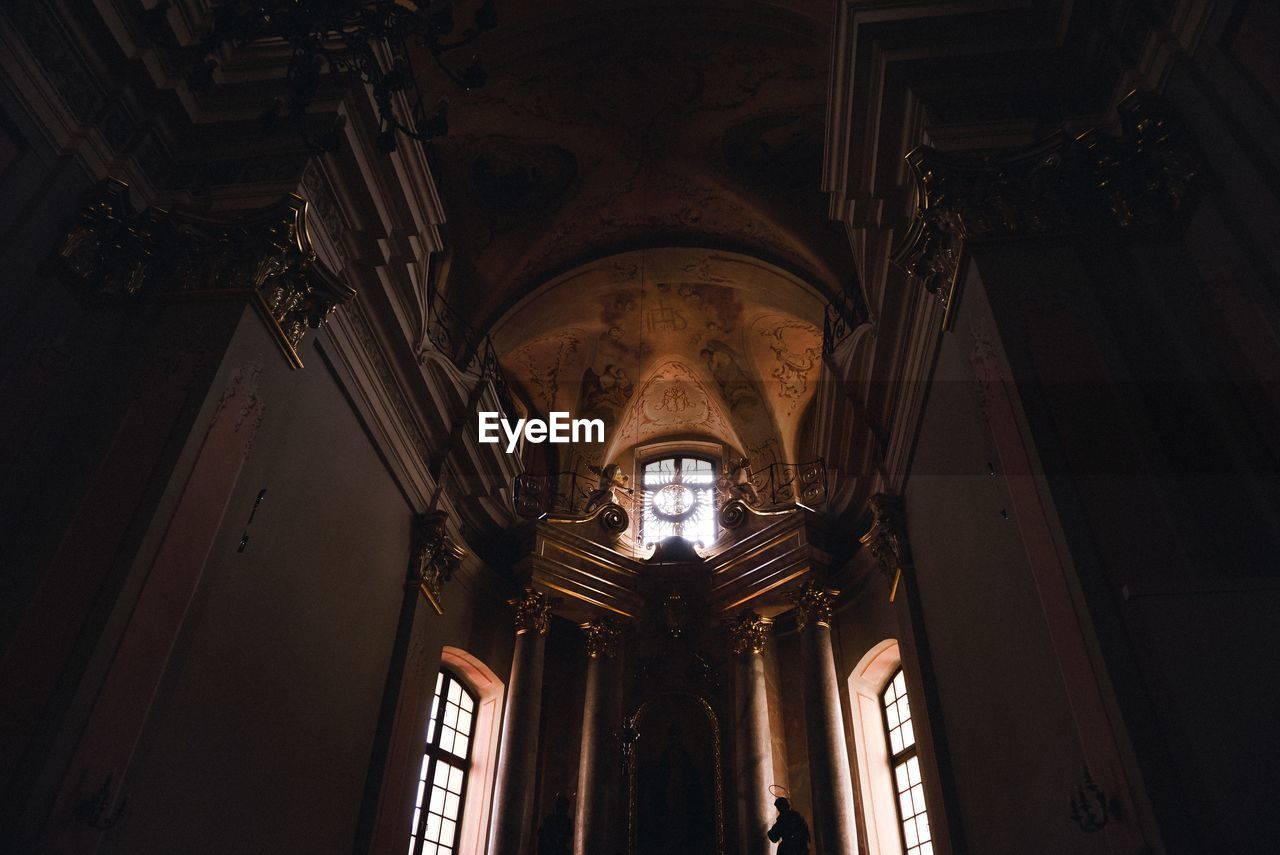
x,y
510,828
830,780
599,766
751,726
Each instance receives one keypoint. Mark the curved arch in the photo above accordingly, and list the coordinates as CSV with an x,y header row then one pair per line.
x,y
632,723
866,681
481,679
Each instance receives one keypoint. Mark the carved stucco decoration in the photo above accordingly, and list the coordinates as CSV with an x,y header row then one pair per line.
x,y
435,555
666,341
749,632
886,540
603,636
814,605
533,612
1144,178
113,253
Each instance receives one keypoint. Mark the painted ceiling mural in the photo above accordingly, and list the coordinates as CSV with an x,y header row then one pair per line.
x,y
667,343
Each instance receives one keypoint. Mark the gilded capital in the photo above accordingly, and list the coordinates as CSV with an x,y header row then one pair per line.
x,y
533,612
603,635
113,253
749,632
813,604
1143,177
435,555
886,540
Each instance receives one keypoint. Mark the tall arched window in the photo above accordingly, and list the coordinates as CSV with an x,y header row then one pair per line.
x,y
446,761
679,499
913,819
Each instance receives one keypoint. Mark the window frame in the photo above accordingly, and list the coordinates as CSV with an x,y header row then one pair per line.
x,y
901,758
678,453
432,753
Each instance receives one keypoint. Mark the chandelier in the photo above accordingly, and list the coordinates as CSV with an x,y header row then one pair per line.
x,y
371,39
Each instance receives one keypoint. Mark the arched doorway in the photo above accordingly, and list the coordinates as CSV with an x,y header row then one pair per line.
x,y
676,791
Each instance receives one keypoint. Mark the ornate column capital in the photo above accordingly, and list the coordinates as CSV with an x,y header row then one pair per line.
x,y
113,253
749,631
435,555
813,604
1144,177
886,540
603,635
533,612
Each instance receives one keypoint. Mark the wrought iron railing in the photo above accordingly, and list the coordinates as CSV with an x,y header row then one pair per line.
x,y
467,348
787,483
568,493
571,493
840,317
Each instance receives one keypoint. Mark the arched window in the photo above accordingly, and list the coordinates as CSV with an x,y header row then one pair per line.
x,y
679,499
446,762
899,731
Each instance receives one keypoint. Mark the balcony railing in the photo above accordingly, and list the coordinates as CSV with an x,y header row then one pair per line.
x,y
466,347
571,493
841,316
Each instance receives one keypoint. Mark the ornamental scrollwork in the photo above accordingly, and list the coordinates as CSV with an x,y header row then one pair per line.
x,y
113,253
1143,178
749,632
603,636
814,605
436,556
886,540
533,612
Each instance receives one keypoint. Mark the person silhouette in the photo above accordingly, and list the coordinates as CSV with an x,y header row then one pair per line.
x,y
791,829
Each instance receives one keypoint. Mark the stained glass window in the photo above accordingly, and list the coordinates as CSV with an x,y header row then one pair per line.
x,y
442,778
680,500
916,836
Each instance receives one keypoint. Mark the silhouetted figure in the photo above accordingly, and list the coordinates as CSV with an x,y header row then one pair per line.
x,y
555,835
791,829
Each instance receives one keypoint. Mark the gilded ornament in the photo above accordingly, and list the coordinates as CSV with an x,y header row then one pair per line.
x,y
113,253
436,556
813,605
603,635
533,612
749,631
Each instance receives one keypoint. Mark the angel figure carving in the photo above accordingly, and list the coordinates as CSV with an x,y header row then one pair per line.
x,y
611,478
736,482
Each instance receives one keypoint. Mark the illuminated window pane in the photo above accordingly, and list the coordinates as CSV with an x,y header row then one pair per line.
x,y
445,762
900,734
679,500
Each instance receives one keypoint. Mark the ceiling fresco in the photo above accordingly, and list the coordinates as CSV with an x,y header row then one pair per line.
x,y
595,134
664,343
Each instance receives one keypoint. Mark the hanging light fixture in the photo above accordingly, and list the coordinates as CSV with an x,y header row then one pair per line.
x,y
373,39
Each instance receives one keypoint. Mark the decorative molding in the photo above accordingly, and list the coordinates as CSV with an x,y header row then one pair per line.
x,y
435,555
603,635
114,254
533,612
886,540
1143,179
749,631
813,605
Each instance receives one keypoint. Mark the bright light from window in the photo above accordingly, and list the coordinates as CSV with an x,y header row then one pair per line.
x,y
443,776
916,836
679,500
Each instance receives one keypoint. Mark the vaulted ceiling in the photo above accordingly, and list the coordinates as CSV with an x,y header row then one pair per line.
x,y
651,173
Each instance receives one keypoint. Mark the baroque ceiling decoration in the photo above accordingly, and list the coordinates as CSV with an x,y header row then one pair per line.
x,y
585,143
667,343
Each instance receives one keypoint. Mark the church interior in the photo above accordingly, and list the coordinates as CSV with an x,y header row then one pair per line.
x,y
926,357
